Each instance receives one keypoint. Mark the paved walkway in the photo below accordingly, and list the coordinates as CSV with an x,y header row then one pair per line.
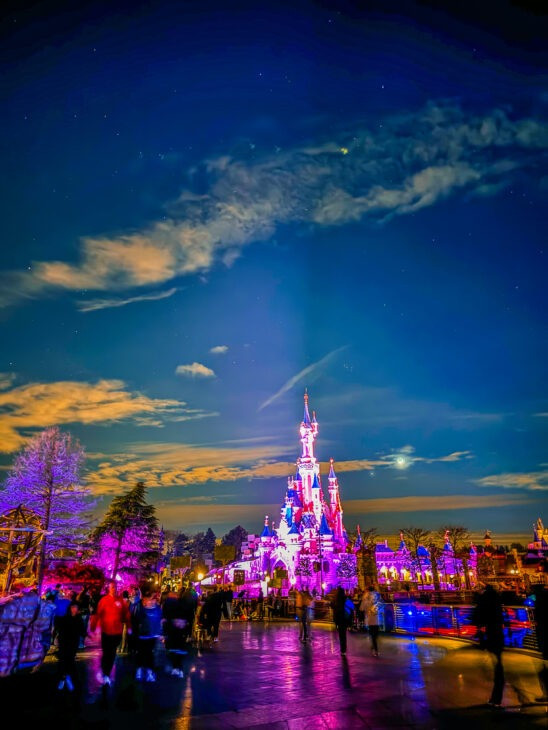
x,y
260,676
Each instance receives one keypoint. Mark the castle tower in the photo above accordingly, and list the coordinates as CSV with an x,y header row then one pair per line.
x,y
308,466
335,503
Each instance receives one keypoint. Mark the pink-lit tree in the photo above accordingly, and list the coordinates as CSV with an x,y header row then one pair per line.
x,y
45,478
126,543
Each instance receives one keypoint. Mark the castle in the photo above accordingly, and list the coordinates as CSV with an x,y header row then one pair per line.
x,y
309,548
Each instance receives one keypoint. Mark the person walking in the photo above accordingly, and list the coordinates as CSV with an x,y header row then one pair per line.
x,y
175,629
303,600
228,599
340,617
370,606
541,622
70,629
147,624
189,603
84,607
124,646
111,615
213,610
488,617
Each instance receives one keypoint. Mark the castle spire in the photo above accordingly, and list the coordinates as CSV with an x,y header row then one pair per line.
x,y
306,417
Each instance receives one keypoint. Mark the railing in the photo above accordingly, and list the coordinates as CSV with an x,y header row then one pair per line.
x,y
456,622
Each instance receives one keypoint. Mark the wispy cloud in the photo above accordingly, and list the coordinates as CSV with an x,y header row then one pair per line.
x,y
6,380
219,350
38,405
299,377
412,162
531,481
405,457
91,305
195,370
388,408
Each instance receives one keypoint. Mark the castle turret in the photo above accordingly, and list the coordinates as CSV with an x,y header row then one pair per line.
x,y
335,505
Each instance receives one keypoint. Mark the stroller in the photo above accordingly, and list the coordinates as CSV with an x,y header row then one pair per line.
x,y
202,637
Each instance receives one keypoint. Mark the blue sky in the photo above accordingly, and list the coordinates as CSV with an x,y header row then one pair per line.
x,y
206,211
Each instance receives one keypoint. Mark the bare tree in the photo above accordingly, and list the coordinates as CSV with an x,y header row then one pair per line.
x,y
459,539
415,537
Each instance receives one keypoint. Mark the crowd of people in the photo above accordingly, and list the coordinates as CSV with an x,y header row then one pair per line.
x,y
134,621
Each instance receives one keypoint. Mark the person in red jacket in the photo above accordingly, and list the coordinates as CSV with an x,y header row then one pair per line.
x,y
111,615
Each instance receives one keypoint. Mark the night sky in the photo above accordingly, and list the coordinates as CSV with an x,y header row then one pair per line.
x,y
208,207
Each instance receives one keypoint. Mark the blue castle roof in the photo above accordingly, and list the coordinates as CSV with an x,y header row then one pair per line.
x,y
293,530
422,552
382,548
316,483
324,527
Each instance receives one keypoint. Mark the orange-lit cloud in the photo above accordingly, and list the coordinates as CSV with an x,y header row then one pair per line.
x,y
168,464
38,405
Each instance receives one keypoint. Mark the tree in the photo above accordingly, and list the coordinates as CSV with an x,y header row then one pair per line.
x,y
181,544
365,555
416,537
235,537
127,540
202,544
459,539
45,478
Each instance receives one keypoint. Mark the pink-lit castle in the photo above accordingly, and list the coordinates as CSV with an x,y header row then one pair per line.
x,y
308,548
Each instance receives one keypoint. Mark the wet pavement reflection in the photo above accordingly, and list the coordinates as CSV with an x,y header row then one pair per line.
x,y
261,676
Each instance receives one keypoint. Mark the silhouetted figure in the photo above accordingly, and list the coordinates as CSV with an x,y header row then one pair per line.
x,y
489,620
213,610
70,628
541,621
303,600
176,625
338,605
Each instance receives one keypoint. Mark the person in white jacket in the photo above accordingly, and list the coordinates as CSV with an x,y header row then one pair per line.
x,y
371,606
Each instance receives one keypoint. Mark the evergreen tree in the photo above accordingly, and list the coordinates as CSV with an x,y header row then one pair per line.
x,y
209,541
202,544
181,544
126,543
235,537
45,478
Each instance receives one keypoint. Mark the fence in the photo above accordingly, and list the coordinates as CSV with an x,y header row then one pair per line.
x,y
456,622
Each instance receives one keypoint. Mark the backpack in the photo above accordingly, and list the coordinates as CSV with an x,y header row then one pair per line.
x,y
348,611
